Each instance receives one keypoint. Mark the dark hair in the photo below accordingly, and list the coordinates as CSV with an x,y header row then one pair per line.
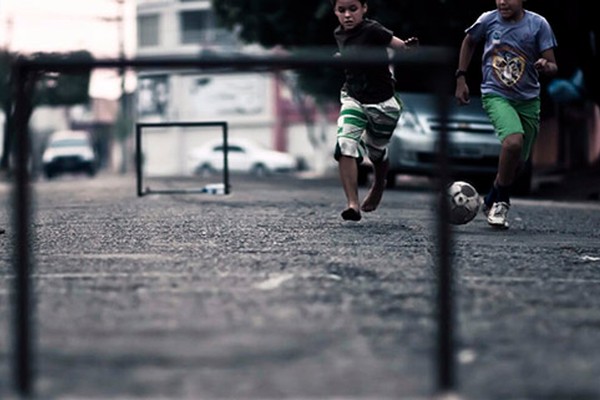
x,y
363,2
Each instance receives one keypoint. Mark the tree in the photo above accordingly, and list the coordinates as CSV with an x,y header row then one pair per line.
x,y
51,88
308,25
299,26
290,25
305,25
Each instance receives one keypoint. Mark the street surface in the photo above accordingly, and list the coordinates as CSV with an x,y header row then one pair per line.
x,y
268,294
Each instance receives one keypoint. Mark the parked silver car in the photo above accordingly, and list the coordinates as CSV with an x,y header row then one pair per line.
x,y
473,146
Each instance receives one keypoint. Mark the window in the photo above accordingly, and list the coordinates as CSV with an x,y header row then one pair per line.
x,y
148,32
195,26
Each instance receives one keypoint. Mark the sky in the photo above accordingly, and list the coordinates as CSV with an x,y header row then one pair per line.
x,y
28,26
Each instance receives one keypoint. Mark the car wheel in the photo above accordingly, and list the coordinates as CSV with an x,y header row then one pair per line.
x,y
260,170
204,170
49,173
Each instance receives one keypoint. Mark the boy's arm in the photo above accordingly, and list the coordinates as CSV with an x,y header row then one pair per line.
x,y
547,63
467,48
399,44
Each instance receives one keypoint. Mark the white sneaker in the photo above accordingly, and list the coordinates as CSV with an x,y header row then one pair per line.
x,y
498,215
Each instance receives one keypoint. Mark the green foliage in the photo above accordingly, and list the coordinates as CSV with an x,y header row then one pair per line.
x,y
62,88
309,24
293,25
279,23
52,88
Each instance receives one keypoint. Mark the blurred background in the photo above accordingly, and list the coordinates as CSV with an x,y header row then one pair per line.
x,y
293,112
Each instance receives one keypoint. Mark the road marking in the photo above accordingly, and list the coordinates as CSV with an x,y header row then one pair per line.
x,y
274,282
590,258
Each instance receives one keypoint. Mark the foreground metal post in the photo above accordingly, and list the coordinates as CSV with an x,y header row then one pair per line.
x,y
24,73
23,315
138,159
446,377
226,158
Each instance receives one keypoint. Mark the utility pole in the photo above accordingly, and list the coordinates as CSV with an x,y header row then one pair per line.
x,y
6,102
123,109
122,127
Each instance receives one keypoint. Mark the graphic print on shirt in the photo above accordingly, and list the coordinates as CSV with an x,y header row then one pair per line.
x,y
509,65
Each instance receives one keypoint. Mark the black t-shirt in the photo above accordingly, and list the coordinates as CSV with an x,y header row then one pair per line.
x,y
373,84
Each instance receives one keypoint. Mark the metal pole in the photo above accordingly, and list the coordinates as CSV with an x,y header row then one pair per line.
x,y
438,57
139,159
226,158
23,313
446,378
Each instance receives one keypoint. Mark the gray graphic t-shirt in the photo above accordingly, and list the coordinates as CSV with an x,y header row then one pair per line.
x,y
511,49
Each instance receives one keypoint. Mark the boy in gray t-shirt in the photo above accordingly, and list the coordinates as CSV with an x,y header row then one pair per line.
x,y
518,45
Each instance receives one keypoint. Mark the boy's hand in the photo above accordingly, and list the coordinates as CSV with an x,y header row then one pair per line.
x,y
545,66
412,42
540,64
462,93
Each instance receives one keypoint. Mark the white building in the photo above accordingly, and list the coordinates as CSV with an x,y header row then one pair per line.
x,y
251,103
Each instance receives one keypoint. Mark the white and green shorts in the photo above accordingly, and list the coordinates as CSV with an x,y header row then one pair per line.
x,y
366,129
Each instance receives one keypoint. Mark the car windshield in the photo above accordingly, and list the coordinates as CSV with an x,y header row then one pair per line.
x,y
69,143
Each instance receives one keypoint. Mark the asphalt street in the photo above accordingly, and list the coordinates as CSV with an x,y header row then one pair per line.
x,y
268,294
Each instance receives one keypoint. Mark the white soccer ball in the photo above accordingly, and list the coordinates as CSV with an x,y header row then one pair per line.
x,y
464,202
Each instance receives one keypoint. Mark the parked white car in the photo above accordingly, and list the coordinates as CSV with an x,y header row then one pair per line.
x,y
69,151
243,155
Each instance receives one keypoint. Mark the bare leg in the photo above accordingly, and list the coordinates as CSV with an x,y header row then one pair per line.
x,y
348,175
510,159
373,198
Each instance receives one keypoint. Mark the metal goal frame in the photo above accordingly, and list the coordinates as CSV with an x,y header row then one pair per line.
x,y
139,158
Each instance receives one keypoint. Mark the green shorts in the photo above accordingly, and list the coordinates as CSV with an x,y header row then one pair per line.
x,y
511,117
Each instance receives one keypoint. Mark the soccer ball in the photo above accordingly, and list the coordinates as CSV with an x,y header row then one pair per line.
x,y
464,202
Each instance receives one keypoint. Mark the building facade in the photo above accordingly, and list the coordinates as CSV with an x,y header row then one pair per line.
x,y
256,105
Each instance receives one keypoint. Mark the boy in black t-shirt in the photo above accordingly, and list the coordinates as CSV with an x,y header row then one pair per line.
x,y
369,110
